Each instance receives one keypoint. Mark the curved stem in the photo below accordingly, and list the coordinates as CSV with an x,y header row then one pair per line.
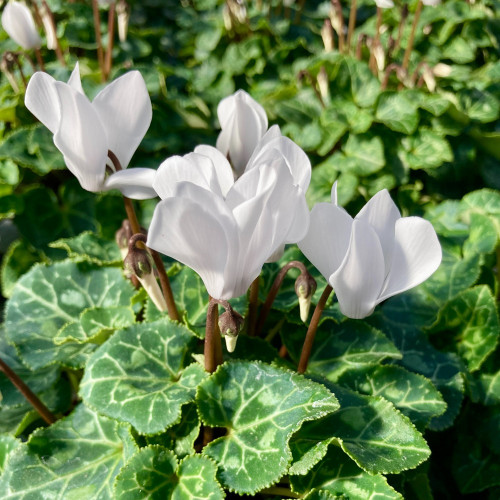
x,y
39,59
136,228
376,41
352,24
311,331
409,47
213,345
111,36
278,281
98,39
44,412
173,313
253,304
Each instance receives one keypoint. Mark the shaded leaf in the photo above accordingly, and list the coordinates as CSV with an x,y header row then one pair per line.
x,y
78,456
48,297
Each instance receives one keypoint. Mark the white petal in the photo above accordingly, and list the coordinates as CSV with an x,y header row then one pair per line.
x,y
124,108
222,167
327,240
194,168
417,254
297,161
81,138
274,132
382,213
384,4
190,229
301,217
18,22
359,279
243,122
75,80
42,100
135,183
431,3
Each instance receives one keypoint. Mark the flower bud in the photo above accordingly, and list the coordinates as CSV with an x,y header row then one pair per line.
x,y
18,22
122,237
305,286
7,65
123,15
230,324
138,262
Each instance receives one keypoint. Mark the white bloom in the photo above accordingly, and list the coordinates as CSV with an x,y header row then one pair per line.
x,y
432,3
84,131
384,4
226,230
372,257
243,122
18,22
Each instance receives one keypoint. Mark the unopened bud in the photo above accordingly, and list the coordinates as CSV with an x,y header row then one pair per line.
x,y
122,237
442,70
123,15
230,325
327,35
323,84
48,26
138,262
305,286
7,65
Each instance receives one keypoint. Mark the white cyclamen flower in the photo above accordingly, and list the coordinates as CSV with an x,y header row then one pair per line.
x,y
243,122
431,3
84,131
384,4
18,22
226,230
372,257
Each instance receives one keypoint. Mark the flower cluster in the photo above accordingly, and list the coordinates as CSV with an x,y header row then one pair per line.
x,y
224,211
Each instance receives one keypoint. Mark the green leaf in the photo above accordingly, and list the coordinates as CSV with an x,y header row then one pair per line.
x,y
414,395
478,105
180,437
364,86
435,104
338,348
397,111
48,297
7,444
402,318
139,375
18,260
41,145
460,51
485,388
89,247
342,115
95,325
473,317
364,154
9,173
475,460
425,150
261,406
47,218
77,457
154,472
372,432
485,202
339,475
483,235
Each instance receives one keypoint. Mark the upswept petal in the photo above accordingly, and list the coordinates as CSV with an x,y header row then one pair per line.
x,y
135,183
194,168
74,80
274,132
42,100
297,161
124,108
333,194
417,254
301,216
195,229
327,240
243,122
360,277
18,22
222,166
81,138
382,213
